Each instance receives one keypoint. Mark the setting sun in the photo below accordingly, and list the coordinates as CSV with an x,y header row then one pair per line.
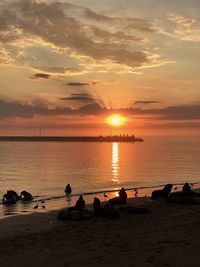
x,y
116,120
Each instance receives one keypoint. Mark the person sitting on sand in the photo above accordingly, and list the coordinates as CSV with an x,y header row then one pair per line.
x,y
97,206
68,189
163,193
80,204
186,192
121,199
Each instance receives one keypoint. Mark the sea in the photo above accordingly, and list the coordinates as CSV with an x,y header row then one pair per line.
x,y
92,169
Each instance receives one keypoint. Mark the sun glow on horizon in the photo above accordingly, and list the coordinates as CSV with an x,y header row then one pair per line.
x,y
116,120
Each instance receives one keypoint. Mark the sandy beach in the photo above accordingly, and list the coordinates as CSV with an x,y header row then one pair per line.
x,y
168,236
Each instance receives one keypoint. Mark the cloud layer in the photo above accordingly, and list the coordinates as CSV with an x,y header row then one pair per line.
x,y
78,32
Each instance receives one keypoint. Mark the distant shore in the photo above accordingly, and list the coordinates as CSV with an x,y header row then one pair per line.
x,y
114,138
168,236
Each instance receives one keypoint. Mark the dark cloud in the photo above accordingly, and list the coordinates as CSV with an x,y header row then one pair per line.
x,y
10,109
83,83
146,102
41,76
79,97
77,83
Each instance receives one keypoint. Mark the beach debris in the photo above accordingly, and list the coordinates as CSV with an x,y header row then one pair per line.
x,y
134,210
26,196
68,189
121,199
163,193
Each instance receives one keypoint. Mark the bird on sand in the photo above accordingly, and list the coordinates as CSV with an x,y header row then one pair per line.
x,y
136,192
43,206
35,207
105,196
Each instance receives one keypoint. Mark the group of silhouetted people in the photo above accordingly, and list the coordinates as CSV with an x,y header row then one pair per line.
x,y
187,195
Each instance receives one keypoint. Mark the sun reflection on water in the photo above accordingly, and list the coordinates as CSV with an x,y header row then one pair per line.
x,y
115,166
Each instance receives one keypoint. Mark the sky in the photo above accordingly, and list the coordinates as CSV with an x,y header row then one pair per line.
x,y
65,66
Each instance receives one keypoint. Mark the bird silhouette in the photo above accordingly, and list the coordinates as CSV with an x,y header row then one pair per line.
x,y
136,192
35,207
43,206
105,196
176,188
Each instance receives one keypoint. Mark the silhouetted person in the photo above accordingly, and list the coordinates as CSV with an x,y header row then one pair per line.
x,y
121,199
26,196
80,204
163,193
12,192
123,195
186,192
97,206
68,189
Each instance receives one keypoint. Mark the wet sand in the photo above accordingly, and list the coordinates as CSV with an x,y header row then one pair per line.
x,y
168,236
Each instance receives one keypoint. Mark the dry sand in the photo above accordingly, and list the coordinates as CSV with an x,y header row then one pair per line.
x,y
168,236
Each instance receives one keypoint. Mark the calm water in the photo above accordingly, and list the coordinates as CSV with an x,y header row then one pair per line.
x,y
44,168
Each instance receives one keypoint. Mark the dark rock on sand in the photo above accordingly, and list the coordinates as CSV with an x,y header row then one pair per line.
x,y
26,196
12,192
163,193
9,199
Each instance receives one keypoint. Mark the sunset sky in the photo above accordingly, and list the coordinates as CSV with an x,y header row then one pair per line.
x,y
65,66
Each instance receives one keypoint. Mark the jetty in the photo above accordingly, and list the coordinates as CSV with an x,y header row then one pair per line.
x,y
113,138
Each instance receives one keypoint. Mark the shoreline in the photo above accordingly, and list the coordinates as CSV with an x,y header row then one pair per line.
x,y
57,202
168,236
